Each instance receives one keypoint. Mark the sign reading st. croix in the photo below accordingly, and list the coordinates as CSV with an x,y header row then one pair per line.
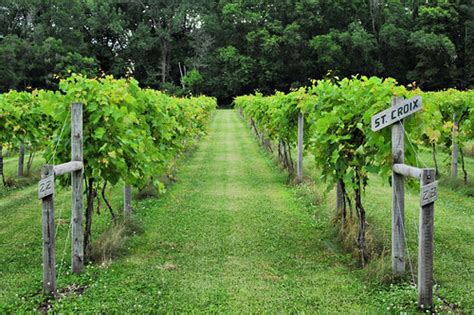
x,y
394,114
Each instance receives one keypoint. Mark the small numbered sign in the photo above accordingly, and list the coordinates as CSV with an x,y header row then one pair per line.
x,y
429,193
46,187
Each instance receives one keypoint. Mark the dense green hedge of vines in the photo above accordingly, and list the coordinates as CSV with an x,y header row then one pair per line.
x,y
130,134
338,128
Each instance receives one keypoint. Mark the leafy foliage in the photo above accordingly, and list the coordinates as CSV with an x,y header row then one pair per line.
x,y
130,134
237,47
338,122
20,113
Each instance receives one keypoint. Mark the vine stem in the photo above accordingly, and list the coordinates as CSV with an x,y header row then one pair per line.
x,y
107,202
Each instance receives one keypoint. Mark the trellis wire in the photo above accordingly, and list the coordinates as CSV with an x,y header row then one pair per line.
x,y
59,139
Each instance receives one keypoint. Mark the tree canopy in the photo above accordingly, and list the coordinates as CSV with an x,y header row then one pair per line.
x,y
230,47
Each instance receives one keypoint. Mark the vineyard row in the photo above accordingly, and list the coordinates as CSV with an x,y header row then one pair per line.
x,y
337,119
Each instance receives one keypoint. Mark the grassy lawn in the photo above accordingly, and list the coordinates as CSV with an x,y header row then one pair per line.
x,y
21,241
454,231
10,168
231,237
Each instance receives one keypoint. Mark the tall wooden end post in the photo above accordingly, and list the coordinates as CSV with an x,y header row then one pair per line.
x,y
127,201
299,162
46,194
425,242
398,197
455,148
77,254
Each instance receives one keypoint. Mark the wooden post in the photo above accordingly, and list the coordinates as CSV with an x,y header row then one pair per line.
x,y
127,201
268,145
455,149
21,160
77,236
425,247
407,170
1,161
398,198
49,255
299,162
339,197
68,167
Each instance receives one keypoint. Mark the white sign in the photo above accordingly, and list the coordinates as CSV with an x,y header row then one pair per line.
x,y
428,193
46,187
394,114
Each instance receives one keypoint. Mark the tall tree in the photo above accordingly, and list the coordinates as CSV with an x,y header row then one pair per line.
x,y
228,47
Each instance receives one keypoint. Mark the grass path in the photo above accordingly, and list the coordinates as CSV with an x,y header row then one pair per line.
x,y
229,237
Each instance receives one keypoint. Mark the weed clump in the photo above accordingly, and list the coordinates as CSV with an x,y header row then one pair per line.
x,y
458,184
376,243
112,243
149,191
309,193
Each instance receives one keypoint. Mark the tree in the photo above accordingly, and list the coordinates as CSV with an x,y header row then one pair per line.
x,y
348,53
280,44
13,72
435,60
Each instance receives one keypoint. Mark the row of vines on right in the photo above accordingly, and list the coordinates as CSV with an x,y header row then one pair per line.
x,y
338,132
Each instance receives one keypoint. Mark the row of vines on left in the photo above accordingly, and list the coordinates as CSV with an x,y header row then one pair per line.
x,y
131,134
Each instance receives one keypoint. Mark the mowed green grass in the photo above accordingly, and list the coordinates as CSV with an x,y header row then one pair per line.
x,y
10,168
21,238
453,228
230,237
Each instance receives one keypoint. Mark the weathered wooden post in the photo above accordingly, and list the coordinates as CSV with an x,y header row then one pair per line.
x,y
339,197
394,116
46,194
127,200
428,194
21,161
1,163
455,148
398,197
299,162
77,189
425,247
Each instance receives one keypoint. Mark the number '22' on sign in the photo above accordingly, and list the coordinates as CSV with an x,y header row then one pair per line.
x,y
46,187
